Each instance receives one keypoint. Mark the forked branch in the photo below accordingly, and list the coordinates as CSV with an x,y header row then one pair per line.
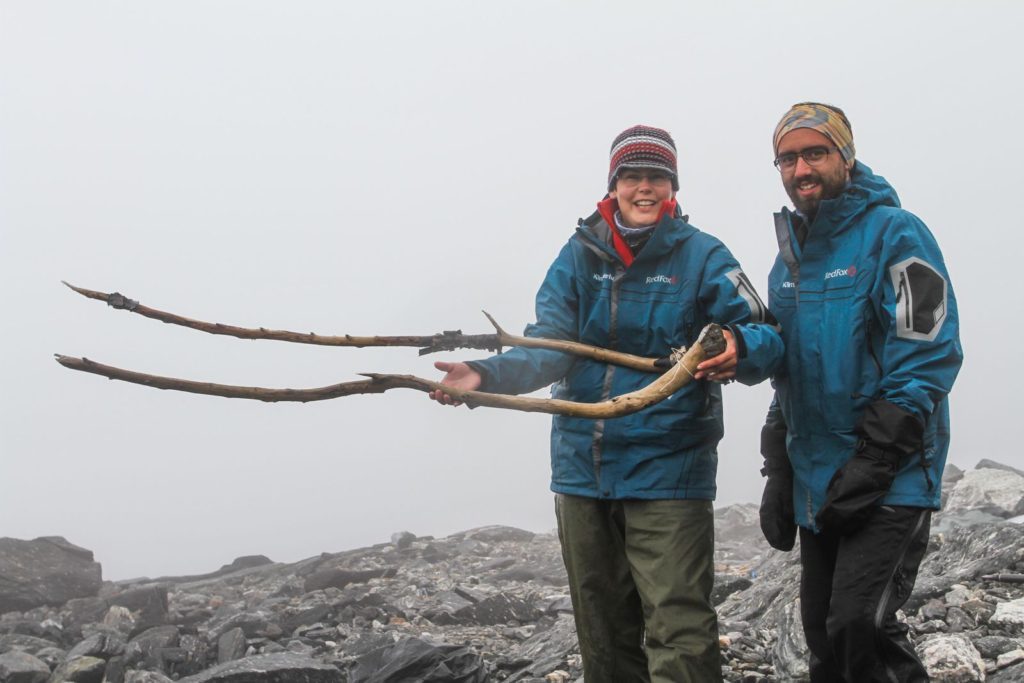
x,y
710,343
448,340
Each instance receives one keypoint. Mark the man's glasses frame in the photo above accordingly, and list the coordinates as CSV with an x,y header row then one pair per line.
x,y
812,156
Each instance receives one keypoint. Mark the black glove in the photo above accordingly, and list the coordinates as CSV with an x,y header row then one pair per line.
x,y
888,434
778,522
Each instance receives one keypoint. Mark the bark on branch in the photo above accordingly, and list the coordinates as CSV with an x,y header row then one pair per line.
x,y
448,340
710,343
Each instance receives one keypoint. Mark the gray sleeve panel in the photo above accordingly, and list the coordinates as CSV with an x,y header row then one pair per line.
x,y
921,302
758,311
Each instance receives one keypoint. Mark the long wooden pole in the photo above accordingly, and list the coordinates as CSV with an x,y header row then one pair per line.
x,y
710,343
445,341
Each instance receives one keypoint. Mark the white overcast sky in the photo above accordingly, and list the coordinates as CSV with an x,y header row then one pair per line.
x,y
394,168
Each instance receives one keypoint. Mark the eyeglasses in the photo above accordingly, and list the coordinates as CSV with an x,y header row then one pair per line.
x,y
634,178
812,156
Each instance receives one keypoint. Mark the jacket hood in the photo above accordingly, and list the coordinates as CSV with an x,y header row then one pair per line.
x,y
866,190
873,189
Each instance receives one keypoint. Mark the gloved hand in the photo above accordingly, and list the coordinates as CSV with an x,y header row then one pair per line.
x,y
888,434
778,522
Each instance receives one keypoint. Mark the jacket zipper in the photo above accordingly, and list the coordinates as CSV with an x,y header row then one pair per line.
x,y
904,294
598,434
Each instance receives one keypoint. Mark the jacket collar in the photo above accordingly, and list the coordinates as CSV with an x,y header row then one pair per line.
x,y
600,229
864,191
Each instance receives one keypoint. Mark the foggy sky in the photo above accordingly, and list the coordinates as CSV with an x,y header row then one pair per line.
x,y
395,168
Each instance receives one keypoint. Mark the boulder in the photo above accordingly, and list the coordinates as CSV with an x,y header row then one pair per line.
x,y
45,571
414,659
986,464
996,491
951,658
24,643
281,667
1009,616
145,677
790,655
231,646
21,667
79,670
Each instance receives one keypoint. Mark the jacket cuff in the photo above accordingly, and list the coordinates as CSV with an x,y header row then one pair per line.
x,y
741,344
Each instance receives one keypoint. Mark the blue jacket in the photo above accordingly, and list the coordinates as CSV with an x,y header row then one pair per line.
x,y
867,312
680,280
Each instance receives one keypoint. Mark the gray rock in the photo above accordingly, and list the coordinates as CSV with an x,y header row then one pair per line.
x,y
790,655
402,539
148,649
498,609
45,571
147,604
18,641
21,667
414,659
79,670
962,556
951,659
499,534
145,677
51,656
102,645
991,647
933,609
1012,674
986,464
958,620
339,578
999,492
255,624
283,667
727,584
545,651
1009,616
231,646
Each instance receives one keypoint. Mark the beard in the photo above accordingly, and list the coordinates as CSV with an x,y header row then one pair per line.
x,y
830,185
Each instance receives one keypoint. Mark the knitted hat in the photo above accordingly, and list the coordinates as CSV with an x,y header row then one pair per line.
x,y
828,120
643,147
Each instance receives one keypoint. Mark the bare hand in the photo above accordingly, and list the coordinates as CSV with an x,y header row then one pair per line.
x,y
459,376
720,368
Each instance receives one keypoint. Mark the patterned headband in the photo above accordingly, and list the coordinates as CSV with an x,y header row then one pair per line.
x,y
828,120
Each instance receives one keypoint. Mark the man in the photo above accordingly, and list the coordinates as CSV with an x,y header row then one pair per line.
x,y
872,348
633,494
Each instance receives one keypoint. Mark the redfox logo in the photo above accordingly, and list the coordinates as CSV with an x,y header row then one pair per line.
x,y
664,279
839,272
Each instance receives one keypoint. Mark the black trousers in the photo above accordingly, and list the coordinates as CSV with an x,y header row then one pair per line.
x,y
850,589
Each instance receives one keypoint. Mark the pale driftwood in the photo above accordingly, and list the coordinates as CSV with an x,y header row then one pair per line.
x,y
444,341
710,343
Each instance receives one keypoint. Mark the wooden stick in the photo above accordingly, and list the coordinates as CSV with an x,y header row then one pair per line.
x,y
448,340
710,343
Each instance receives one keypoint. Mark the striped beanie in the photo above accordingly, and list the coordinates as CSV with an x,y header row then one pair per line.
x,y
828,120
643,147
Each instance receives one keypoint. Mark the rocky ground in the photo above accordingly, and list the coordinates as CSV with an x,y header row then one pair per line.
x,y
489,604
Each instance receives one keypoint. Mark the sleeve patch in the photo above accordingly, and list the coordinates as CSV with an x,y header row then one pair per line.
x,y
758,311
920,299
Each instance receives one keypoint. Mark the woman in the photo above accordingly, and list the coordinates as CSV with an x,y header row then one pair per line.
x,y
633,494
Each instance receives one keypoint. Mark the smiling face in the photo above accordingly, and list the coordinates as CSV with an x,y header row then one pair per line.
x,y
640,192
809,185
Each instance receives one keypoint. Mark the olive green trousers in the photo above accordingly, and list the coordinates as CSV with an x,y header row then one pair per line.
x,y
640,576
